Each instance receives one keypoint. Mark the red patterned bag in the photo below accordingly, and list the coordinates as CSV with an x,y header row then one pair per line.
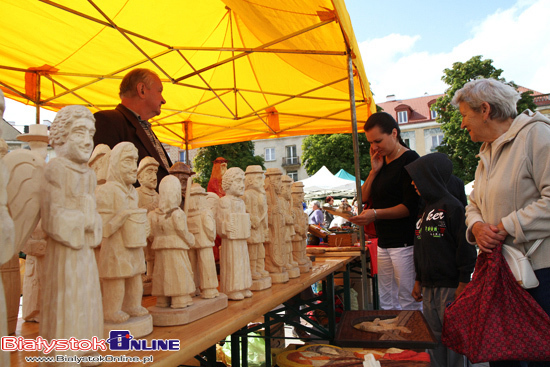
x,y
494,319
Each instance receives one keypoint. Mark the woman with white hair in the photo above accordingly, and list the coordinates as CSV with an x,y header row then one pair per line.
x,y
511,199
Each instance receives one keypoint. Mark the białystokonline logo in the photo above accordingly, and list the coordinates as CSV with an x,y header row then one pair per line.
x,y
123,340
119,340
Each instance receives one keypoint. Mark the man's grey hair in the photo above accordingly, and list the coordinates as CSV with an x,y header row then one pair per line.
x,y
133,78
317,203
502,97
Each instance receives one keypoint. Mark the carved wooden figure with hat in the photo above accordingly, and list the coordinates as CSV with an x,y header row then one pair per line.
x,y
256,205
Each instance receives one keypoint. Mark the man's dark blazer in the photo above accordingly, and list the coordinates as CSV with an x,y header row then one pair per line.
x,y
121,124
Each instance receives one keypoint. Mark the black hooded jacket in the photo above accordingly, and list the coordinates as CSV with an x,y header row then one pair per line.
x,y
442,257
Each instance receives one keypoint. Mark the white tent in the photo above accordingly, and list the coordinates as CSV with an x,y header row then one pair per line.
x,y
324,183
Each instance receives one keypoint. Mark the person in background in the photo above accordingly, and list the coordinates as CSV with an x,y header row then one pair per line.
x,y
329,217
511,197
316,216
141,99
339,221
440,234
354,206
394,209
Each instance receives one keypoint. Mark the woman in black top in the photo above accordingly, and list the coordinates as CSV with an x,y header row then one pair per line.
x,y
394,211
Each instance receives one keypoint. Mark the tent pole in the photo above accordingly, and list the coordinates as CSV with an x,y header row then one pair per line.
x,y
357,176
187,143
37,102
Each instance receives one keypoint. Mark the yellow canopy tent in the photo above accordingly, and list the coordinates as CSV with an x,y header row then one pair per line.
x,y
233,70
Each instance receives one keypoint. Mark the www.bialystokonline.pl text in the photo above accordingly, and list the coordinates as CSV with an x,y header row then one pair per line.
x,y
89,359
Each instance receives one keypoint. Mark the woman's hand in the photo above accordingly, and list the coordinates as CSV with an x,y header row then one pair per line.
x,y
417,291
459,289
376,160
488,236
365,218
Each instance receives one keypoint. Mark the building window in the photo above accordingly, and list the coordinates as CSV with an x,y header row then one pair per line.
x,y
433,139
291,156
409,139
402,117
269,154
433,114
436,141
182,156
293,175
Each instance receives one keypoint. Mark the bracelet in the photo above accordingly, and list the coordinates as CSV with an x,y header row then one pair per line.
x,y
374,210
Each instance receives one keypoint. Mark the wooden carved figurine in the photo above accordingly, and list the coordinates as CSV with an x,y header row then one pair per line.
x,y
285,199
256,205
173,278
99,162
35,247
7,236
7,250
3,144
71,296
24,190
125,231
275,259
299,240
219,167
183,172
233,226
202,225
148,198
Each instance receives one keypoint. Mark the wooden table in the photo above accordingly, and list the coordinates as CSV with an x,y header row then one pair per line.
x,y
206,332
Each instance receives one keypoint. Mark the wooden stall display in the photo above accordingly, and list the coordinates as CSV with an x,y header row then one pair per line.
x,y
410,331
342,239
205,332
329,355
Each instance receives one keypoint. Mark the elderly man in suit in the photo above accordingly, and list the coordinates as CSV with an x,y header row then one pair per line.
x,y
141,99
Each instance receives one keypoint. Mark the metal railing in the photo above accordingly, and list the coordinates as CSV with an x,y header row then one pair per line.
x,y
291,161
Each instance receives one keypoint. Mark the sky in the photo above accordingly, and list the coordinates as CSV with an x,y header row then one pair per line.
x,y
406,45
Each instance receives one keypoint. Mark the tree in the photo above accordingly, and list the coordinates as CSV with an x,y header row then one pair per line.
x,y
456,142
335,151
237,154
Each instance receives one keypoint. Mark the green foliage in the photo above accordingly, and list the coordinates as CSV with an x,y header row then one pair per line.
x,y
237,154
335,151
456,142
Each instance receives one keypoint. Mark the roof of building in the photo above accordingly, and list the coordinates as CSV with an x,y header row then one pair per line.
x,y
540,99
8,132
419,108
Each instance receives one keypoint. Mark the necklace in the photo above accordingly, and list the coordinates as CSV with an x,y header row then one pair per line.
x,y
396,154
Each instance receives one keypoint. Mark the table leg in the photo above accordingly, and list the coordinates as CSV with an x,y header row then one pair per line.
x,y
331,313
267,340
347,286
375,299
235,350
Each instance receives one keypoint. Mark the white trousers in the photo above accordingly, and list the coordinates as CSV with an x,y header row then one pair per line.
x,y
396,278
